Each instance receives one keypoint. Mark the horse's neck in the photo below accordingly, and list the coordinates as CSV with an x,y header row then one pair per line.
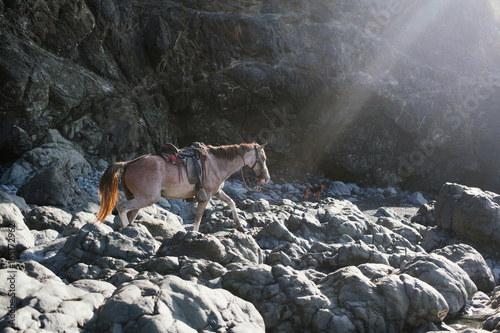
x,y
228,167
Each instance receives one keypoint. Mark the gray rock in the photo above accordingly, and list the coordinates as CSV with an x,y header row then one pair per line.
x,y
335,256
45,236
164,203
375,271
102,164
201,271
187,211
78,220
46,217
45,302
164,265
260,205
287,188
278,231
389,303
44,252
425,215
222,247
417,198
470,213
406,231
15,237
287,254
176,305
479,306
96,240
130,243
6,197
449,279
32,269
55,150
52,186
257,284
436,238
491,323
386,212
472,262
339,188
161,229
160,213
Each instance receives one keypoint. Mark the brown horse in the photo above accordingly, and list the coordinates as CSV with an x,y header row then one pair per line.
x,y
148,178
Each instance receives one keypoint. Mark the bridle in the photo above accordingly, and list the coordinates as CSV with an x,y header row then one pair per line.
x,y
259,177
257,160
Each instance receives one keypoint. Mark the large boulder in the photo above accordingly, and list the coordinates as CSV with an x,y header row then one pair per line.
x,y
52,186
449,279
47,217
472,262
175,305
222,247
54,150
470,213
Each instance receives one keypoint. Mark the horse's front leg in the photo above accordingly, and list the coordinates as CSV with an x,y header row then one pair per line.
x,y
224,197
199,214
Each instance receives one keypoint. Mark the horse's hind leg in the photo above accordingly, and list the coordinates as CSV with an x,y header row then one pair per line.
x,y
132,215
224,197
131,208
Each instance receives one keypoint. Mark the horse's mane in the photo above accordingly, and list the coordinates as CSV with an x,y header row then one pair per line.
x,y
230,152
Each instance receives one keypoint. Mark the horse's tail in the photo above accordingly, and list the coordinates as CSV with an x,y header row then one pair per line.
x,y
108,189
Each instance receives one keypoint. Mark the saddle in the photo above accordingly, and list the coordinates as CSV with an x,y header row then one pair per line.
x,y
193,158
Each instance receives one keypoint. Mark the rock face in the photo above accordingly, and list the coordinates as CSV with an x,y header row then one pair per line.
x,y
393,92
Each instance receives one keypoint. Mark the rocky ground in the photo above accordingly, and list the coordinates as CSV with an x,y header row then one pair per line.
x,y
363,259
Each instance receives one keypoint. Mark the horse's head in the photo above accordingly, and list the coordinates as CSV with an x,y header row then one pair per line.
x,y
259,164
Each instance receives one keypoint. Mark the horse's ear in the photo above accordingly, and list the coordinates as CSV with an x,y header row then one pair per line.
x,y
262,146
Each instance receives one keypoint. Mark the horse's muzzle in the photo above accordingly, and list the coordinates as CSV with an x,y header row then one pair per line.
x,y
265,179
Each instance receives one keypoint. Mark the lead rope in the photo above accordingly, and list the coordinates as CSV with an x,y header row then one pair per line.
x,y
257,189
